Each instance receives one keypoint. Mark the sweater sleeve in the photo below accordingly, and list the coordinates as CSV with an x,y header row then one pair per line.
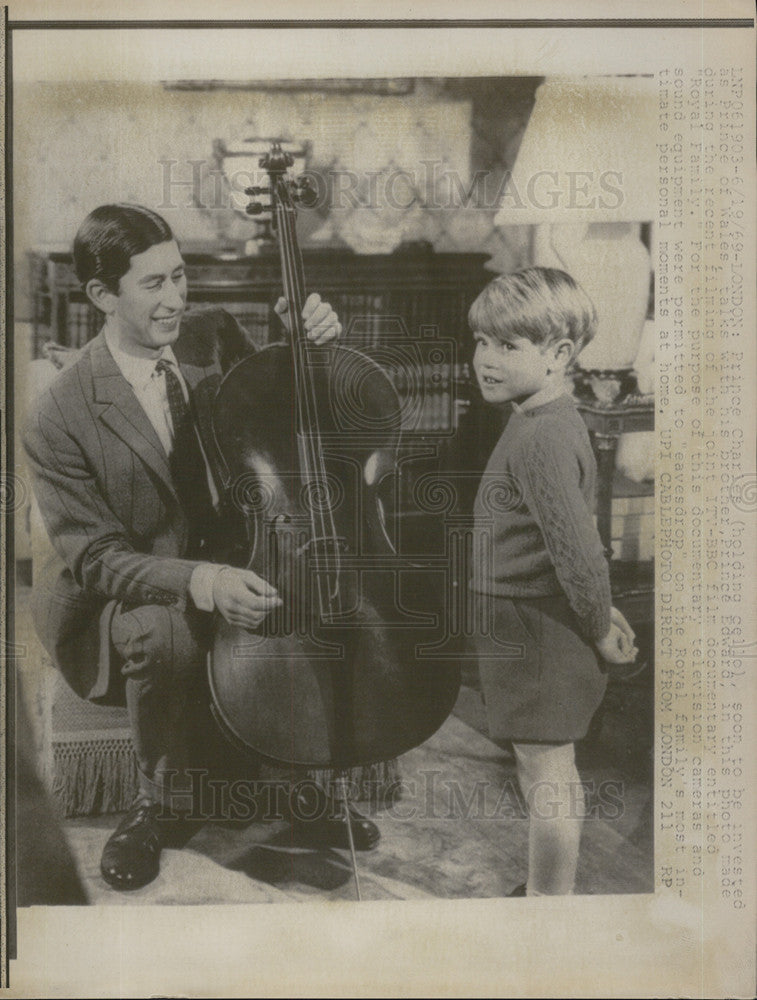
x,y
549,474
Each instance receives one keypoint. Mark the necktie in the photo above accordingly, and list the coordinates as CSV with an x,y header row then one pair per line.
x,y
186,461
176,403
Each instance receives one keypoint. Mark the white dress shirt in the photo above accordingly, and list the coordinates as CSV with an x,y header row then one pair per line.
x,y
149,387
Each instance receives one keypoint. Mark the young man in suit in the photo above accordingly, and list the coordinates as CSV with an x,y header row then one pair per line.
x,y
121,456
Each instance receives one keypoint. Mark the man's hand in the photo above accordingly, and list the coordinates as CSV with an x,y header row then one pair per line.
x,y
321,322
618,645
243,597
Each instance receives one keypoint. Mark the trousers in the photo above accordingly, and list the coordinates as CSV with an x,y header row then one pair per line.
x,y
179,748
163,654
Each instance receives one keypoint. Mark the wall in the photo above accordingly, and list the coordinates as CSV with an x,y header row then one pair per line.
x,y
78,145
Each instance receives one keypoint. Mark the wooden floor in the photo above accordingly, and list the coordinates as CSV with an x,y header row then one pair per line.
x,y
457,832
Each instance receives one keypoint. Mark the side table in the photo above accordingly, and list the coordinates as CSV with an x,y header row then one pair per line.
x,y
606,423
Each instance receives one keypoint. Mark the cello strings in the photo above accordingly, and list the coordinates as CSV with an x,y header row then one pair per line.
x,y
294,293
294,284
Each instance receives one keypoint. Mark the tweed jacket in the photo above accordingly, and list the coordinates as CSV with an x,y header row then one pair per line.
x,y
101,479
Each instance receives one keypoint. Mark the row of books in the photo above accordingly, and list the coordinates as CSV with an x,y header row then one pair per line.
x,y
427,391
429,395
83,321
369,320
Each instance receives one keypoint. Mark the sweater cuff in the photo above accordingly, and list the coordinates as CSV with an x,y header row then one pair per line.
x,y
201,585
597,623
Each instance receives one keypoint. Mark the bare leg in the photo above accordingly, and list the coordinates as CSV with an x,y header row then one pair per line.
x,y
551,786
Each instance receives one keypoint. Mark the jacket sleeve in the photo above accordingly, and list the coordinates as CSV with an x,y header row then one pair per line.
x,y
549,474
89,538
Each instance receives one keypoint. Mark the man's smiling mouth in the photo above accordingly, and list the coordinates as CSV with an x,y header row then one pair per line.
x,y
167,322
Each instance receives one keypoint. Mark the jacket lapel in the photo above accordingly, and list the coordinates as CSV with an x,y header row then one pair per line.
x,y
119,408
203,384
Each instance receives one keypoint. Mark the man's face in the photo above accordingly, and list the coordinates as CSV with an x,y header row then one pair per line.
x,y
151,299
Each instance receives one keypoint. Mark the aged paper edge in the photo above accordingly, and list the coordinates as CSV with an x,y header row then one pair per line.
x,y
453,947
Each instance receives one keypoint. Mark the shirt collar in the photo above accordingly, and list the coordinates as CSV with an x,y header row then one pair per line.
x,y
546,395
137,371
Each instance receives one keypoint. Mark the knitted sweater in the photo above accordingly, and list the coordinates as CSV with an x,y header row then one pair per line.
x,y
534,531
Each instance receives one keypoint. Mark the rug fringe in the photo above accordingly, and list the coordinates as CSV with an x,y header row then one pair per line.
x,y
100,776
94,777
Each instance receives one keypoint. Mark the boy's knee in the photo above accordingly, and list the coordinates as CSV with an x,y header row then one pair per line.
x,y
156,639
545,761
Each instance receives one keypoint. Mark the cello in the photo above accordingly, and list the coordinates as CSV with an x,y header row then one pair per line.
x,y
308,439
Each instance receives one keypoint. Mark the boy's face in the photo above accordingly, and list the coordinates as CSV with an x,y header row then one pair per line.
x,y
512,370
151,299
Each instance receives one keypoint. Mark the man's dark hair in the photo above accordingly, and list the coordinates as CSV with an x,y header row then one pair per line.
x,y
110,236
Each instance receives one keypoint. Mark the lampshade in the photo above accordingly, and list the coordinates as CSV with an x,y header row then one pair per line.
x,y
587,155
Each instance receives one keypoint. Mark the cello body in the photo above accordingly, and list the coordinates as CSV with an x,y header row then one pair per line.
x,y
338,676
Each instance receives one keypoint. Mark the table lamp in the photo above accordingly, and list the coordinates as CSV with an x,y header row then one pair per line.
x,y
585,178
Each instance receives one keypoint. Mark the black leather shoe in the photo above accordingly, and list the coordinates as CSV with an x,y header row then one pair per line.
x,y
518,891
131,857
330,829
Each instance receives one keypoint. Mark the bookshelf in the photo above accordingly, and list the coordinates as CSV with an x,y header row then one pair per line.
x,y
423,292
408,310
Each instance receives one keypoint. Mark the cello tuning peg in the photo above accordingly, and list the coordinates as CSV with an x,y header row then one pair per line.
x,y
305,193
257,190
255,208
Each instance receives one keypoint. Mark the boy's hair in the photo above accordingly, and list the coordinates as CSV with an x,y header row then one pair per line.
x,y
540,303
110,236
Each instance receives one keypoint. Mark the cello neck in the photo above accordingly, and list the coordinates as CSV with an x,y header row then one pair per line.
x,y
324,540
283,193
292,270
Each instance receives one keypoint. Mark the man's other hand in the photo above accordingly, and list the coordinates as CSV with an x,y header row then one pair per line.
x,y
243,597
321,322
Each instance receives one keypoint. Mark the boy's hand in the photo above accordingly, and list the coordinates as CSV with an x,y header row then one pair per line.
x,y
616,646
321,322
617,618
243,597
